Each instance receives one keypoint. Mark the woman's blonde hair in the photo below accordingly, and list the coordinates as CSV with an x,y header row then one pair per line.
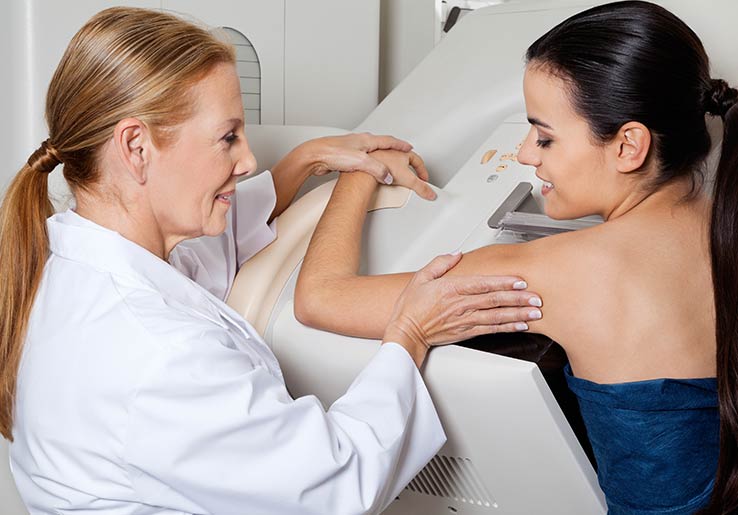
x,y
124,62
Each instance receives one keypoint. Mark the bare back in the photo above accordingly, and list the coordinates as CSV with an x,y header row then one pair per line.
x,y
630,299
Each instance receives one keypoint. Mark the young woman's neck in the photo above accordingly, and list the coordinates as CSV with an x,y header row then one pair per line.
x,y
676,192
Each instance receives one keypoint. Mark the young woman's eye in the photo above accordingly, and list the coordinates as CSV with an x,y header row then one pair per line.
x,y
230,137
543,143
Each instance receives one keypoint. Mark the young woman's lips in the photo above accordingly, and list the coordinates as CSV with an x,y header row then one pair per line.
x,y
546,188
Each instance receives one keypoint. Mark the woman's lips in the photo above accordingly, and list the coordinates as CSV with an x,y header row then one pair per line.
x,y
225,197
546,188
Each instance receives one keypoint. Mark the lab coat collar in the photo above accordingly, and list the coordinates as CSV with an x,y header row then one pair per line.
x,y
74,237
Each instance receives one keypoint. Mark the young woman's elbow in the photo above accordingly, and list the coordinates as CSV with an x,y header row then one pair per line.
x,y
308,304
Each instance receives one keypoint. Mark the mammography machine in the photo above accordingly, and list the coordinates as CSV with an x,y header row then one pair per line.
x,y
511,444
510,448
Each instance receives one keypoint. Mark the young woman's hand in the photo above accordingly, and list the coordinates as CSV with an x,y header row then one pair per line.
x,y
385,158
407,169
436,310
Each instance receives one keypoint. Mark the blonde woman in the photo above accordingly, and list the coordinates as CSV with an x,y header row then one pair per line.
x,y
128,386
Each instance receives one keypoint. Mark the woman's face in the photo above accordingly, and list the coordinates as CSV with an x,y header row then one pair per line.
x,y
195,176
560,145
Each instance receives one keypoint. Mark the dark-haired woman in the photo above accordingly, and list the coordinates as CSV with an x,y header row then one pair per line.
x,y
630,300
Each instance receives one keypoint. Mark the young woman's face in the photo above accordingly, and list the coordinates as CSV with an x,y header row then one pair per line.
x,y
196,175
561,147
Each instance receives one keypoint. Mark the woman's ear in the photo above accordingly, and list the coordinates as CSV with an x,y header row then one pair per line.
x,y
632,144
132,143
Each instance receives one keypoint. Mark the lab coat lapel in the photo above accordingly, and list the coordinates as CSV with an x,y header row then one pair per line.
x,y
76,238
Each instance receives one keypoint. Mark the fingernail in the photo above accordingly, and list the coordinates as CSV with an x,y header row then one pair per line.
x,y
534,314
521,326
456,253
520,285
535,301
388,178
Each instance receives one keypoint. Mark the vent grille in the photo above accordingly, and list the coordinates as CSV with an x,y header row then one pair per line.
x,y
249,75
452,478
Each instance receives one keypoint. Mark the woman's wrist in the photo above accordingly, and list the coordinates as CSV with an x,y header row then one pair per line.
x,y
314,157
408,338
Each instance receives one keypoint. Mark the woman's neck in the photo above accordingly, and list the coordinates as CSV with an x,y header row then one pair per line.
x,y
128,222
679,192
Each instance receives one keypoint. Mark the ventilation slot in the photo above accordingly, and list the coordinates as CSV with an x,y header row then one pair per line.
x,y
452,478
249,75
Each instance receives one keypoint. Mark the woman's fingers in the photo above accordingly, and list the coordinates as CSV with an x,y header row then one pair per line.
x,y
437,267
499,299
372,142
418,165
498,316
374,167
475,284
513,327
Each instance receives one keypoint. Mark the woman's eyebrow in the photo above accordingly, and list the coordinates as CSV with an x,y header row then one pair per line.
x,y
539,123
233,122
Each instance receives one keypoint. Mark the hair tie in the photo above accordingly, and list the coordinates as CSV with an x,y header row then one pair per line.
x,y
45,158
720,98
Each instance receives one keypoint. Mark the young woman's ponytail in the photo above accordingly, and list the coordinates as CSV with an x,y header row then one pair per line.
x,y
721,101
24,247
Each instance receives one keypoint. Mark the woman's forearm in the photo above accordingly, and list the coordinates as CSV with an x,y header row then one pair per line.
x,y
329,294
290,173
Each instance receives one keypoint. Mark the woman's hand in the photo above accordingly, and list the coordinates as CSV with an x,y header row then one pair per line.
x,y
435,310
407,169
383,157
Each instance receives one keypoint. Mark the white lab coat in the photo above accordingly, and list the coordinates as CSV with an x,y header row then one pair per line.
x,y
140,391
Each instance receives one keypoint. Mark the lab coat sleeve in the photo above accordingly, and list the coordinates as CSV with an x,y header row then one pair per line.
x,y
212,432
213,261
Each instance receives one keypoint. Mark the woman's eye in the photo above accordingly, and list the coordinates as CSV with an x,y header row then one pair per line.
x,y
230,137
543,143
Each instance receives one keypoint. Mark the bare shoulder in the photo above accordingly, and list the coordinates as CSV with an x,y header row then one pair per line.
x,y
569,271
551,260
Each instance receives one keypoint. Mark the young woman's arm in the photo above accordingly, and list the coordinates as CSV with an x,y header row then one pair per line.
x,y
330,294
347,153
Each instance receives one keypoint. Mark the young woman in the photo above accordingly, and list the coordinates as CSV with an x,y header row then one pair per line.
x,y
616,97
126,384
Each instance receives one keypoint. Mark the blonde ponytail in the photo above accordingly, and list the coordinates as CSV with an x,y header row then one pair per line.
x,y
24,246
124,62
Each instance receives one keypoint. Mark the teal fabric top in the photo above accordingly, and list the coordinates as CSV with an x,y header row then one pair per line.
x,y
656,442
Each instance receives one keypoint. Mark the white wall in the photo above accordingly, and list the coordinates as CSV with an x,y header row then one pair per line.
x,y
331,81
408,31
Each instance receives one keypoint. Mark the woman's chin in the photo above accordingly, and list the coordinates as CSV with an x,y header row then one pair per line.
x,y
214,228
557,213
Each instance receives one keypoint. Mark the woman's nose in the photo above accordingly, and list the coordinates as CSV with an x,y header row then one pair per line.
x,y
246,164
528,153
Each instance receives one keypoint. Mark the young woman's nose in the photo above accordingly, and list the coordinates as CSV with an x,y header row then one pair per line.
x,y
529,153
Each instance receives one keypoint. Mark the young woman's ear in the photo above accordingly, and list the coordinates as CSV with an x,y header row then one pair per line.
x,y
632,144
132,145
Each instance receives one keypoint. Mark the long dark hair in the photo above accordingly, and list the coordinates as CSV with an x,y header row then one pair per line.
x,y
636,61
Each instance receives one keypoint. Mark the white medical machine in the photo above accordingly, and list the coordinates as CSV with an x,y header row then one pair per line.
x,y
510,448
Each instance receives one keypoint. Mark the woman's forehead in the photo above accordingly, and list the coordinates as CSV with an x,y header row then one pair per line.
x,y
218,95
547,97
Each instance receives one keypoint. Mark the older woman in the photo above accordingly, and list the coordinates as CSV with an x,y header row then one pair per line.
x,y
128,386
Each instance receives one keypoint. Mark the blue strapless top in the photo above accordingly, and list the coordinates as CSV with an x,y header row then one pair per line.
x,y
656,442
